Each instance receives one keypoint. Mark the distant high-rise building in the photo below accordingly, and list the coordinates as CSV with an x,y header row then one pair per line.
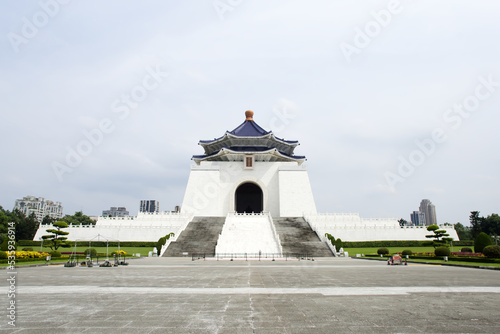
x,y
429,211
115,212
149,205
40,207
417,218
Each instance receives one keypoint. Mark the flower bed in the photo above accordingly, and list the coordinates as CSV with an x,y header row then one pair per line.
x,y
30,255
466,254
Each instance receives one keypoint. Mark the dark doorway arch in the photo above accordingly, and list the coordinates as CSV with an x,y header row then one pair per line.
x,y
249,198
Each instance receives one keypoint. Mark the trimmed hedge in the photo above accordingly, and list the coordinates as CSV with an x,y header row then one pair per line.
x,y
398,243
492,251
481,241
95,243
55,254
407,252
442,251
382,251
450,258
92,251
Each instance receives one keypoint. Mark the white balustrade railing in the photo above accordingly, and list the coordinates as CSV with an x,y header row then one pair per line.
x,y
275,234
176,235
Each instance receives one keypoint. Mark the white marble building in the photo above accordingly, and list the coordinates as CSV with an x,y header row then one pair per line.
x,y
248,170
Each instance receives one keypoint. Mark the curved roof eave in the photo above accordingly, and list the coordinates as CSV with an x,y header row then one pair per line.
x,y
230,135
224,150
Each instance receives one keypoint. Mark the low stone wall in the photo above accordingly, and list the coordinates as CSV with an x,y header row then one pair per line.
x,y
144,227
351,227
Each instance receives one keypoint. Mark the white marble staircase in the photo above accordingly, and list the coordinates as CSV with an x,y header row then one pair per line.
x,y
248,234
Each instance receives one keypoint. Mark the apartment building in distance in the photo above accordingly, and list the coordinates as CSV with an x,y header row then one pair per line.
x,y
40,206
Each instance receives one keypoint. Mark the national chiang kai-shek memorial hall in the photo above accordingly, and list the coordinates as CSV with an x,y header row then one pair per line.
x,y
247,193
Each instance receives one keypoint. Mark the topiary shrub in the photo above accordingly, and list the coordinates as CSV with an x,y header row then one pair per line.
x,y
338,244
162,241
407,252
28,249
382,251
442,251
466,250
5,245
3,255
492,251
55,254
91,251
482,240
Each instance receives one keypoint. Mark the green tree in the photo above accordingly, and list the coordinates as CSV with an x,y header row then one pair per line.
x,y
57,238
78,219
48,220
476,223
491,224
26,227
463,232
481,241
4,220
403,222
440,236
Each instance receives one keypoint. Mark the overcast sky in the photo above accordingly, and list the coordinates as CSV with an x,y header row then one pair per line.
x,y
392,102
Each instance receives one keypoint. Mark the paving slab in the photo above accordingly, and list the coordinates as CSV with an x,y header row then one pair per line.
x,y
177,295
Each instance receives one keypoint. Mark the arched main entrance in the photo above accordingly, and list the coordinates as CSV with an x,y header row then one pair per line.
x,y
249,198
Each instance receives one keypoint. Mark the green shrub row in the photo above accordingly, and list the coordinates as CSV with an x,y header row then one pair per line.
x,y
96,243
450,258
398,243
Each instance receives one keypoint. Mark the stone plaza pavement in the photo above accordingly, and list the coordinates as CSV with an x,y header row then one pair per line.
x,y
177,295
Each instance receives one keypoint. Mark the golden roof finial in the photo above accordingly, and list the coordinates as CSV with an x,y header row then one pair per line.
x,y
249,115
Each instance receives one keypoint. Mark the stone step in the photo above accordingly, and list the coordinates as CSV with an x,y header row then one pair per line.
x,y
297,236
200,236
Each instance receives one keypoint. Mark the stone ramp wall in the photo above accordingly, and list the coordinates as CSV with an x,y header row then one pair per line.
x,y
351,227
297,237
200,236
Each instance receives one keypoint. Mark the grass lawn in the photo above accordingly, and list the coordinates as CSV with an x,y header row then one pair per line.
x,y
392,250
